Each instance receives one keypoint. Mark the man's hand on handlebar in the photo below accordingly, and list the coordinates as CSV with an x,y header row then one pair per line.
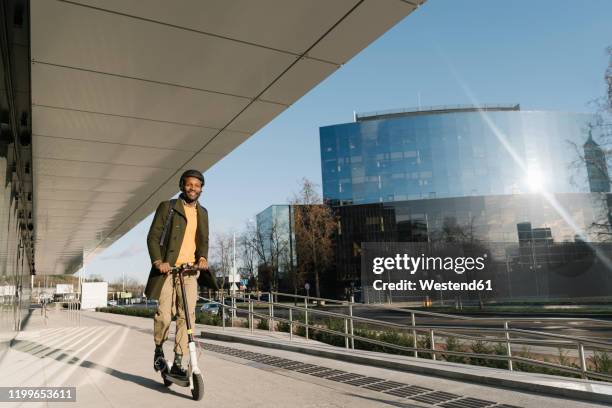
x,y
188,267
202,263
164,267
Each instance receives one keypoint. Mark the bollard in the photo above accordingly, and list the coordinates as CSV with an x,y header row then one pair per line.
x,y
351,322
433,344
346,339
414,336
270,312
234,308
508,348
306,315
583,365
222,309
232,298
290,324
250,317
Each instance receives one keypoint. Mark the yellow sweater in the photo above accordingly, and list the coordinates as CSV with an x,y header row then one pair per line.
x,y
188,247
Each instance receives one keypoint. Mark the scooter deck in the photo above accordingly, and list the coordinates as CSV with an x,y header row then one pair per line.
x,y
182,382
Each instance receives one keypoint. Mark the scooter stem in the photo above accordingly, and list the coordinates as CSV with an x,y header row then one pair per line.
x,y
193,358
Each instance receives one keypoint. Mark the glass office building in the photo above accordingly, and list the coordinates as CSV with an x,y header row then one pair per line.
x,y
276,243
453,152
511,180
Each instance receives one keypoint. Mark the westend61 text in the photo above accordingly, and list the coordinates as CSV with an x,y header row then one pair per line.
x,y
433,285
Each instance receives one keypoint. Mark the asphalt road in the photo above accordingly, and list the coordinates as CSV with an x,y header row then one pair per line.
x,y
588,328
600,329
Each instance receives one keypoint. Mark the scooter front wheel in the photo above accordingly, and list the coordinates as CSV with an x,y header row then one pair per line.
x,y
198,386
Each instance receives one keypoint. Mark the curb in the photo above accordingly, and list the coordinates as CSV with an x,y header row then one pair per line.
x,y
590,396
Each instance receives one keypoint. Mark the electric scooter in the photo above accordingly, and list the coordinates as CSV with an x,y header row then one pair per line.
x,y
194,375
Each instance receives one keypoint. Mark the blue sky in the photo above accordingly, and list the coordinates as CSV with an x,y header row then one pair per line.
x,y
543,54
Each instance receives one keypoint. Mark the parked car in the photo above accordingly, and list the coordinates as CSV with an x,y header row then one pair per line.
x,y
210,308
112,303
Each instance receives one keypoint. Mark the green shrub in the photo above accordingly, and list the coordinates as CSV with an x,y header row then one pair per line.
x,y
602,362
392,336
525,353
532,368
452,344
398,338
482,347
283,326
365,345
500,350
425,343
262,324
209,319
129,311
564,359
329,338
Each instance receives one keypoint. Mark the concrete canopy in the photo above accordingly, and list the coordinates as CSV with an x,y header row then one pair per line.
x,y
127,94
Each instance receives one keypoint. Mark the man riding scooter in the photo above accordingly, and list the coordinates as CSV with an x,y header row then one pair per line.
x,y
178,236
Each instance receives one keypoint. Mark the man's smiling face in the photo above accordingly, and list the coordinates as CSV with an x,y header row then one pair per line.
x,y
192,188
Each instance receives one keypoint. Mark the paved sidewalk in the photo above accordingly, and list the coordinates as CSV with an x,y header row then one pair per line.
x,y
523,381
108,359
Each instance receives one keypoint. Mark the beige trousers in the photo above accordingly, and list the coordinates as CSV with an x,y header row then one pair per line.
x,y
171,304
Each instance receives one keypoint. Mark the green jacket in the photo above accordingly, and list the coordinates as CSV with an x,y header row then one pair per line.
x,y
174,239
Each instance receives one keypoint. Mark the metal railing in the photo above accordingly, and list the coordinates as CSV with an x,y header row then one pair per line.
x,y
74,310
430,333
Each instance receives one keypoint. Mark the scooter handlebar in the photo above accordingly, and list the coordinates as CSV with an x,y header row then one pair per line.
x,y
185,268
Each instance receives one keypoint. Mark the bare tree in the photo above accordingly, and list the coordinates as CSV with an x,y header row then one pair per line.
x,y
608,78
248,252
221,255
258,244
134,286
116,285
269,241
315,224
279,244
596,158
296,279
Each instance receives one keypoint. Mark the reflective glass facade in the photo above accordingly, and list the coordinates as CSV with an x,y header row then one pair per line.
x,y
16,184
276,238
508,223
15,248
505,178
423,155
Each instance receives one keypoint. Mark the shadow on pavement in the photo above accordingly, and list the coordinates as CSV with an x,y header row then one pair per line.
x,y
41,351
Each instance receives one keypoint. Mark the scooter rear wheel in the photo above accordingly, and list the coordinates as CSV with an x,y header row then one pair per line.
x,y
163,369
198,387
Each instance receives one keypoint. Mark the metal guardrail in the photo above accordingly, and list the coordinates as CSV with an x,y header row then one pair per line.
x,y
505,334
